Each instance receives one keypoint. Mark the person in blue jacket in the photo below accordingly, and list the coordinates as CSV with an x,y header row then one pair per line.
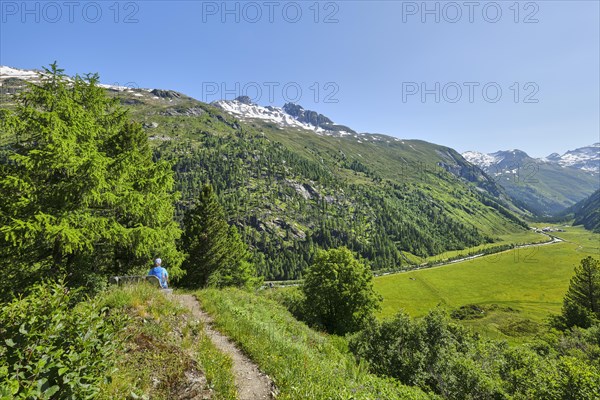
x,y
160,273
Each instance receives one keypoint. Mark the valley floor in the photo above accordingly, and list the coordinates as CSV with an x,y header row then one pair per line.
x,y
520,288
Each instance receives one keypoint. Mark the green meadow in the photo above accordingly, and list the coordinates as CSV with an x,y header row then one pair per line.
x,y
516,289
513,238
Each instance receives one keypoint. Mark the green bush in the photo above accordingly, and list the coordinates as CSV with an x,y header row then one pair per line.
x,y
291,298
470,311
438,355
53,347
339,293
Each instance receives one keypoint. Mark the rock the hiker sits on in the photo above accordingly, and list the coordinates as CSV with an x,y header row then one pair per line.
x,y
160,273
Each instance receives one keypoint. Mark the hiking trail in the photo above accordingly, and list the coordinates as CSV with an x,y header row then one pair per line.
x,y
250,382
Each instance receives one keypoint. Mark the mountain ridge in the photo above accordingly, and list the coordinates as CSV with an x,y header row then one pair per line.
x,y
291,190
586,158
544,186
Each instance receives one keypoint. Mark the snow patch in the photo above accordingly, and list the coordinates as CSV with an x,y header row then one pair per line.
x,y
480,159
270,114
28,75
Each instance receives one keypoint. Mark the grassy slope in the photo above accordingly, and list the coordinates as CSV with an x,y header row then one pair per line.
x,y
303,364
532,281
166,352
407,161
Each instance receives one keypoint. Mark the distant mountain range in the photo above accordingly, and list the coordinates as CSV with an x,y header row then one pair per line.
x,y
293,181
586,158
289,116
392,199
543,186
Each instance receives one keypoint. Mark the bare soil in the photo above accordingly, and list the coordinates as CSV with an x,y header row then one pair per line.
x,y
250,382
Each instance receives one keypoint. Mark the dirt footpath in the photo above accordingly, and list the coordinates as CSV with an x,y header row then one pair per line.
x,y
251,384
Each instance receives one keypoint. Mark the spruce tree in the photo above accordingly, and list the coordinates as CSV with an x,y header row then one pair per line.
x,y
237,269
81,194
581,305
213,247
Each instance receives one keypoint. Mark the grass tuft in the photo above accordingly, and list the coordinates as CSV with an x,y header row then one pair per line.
x,y
303,364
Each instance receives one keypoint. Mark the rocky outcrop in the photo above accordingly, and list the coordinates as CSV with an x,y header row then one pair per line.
x,y
313,118
166,94
185,112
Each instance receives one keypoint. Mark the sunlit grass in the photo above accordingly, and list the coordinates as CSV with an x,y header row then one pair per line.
x,y
303,364
532,280
163,344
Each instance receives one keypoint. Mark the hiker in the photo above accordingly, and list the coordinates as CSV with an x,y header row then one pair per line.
x,y
160,273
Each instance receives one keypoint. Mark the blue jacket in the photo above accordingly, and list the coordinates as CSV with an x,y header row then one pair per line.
x,y
161,274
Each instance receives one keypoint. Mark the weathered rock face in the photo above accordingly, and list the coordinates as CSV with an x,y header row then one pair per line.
x,y
130,102
166,94
186,112
244,100
313,118
306,116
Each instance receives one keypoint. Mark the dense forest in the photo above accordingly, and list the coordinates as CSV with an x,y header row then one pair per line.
x,y
587,212
312,209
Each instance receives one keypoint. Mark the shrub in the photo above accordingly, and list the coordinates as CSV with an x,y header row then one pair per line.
x,y
339,292
50,346
291,298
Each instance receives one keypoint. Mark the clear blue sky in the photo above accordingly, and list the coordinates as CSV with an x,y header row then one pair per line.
x,y
372,57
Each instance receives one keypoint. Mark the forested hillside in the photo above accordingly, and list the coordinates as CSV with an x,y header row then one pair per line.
x,y
290,191
587,212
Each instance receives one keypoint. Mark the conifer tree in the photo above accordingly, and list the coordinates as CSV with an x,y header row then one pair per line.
x,y
216,254
81,194
581,305
237,269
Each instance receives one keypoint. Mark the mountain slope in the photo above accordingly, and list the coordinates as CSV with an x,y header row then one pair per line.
x,y
587,212
542,186
584,158
291,189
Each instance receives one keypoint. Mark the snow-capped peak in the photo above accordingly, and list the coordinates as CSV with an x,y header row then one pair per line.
x,y
585,158
244,109
9,72
290,116
480,159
